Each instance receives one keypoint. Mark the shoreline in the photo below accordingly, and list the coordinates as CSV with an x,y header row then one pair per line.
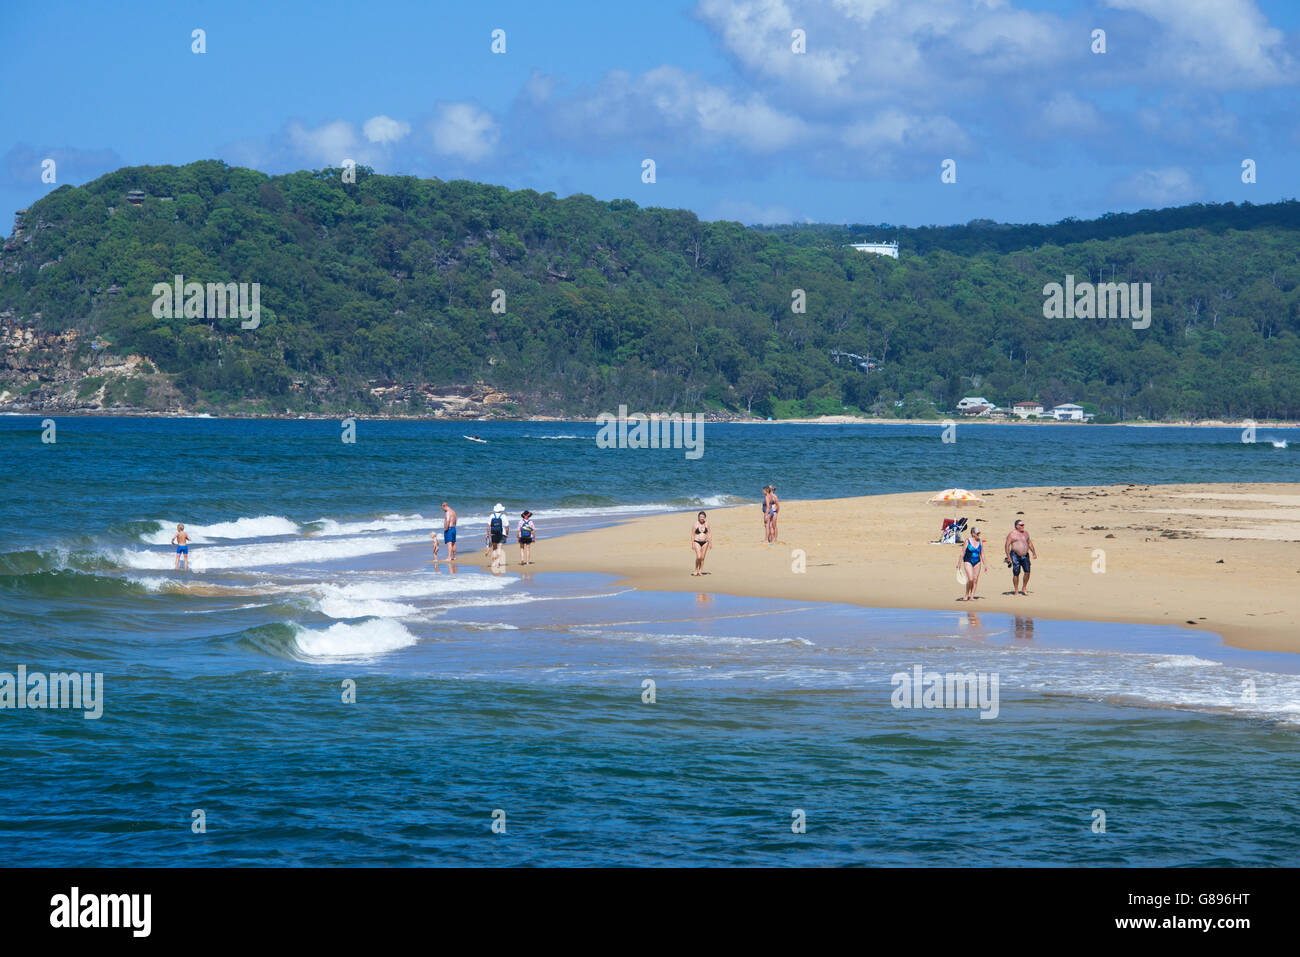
x,y
1215,558
822,420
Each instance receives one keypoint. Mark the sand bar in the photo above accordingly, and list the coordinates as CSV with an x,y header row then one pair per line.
x,y
1166,561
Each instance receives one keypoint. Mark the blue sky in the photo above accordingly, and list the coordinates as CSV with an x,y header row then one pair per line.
x,y
740,126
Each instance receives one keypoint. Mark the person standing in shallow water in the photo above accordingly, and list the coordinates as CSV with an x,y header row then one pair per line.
x,y
182,542
701,539
526,535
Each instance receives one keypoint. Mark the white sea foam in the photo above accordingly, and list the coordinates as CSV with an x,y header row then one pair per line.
x,y
350,608
297,551
1186,661
389,523
363,639
431,586
263,526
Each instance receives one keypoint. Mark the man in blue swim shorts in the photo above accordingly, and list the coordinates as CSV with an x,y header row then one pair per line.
x,y
1019,547
449,529
182,542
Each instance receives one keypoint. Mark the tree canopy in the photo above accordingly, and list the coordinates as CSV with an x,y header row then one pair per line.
x,y
394,278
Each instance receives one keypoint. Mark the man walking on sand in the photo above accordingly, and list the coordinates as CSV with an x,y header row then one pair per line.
x,y
449,529
1018,548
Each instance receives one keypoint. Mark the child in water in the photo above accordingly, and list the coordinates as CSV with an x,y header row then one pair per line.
x,y
181,541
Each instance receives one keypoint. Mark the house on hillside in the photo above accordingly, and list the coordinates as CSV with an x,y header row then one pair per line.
x,y
974,405
1068,412
1025,410
880,249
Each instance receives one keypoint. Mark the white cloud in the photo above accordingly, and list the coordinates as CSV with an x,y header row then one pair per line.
x,y
868,50
1222,44
1168,186
749,212
327,145
669,107
1068,113
893,129
464,131
385,129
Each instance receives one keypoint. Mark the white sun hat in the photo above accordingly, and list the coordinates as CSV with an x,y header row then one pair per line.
x,y
498,507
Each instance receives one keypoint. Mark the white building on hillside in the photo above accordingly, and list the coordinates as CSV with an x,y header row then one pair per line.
x,y
1069,412
880,249
974,405
1025,410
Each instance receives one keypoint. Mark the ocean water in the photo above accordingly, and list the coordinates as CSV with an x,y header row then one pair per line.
x,y
523,699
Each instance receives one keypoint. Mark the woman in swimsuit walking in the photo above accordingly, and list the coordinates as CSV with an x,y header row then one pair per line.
x,y
700,541
767,508
972,560
773,507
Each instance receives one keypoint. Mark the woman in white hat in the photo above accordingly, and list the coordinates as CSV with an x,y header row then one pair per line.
x,y
498,533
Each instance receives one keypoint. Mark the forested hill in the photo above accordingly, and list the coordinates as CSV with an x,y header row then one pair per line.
x,y
389,281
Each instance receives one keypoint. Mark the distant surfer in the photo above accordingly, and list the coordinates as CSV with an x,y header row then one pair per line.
x,y
448,532
1019,547
182,542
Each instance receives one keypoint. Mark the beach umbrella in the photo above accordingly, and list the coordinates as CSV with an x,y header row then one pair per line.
x,y
955,496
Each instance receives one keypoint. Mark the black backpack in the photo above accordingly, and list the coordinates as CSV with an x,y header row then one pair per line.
x,y
496,526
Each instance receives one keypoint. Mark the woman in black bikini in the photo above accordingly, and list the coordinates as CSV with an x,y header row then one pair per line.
x,y
700,541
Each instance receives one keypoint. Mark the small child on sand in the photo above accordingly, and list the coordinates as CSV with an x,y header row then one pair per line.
x,y
181,541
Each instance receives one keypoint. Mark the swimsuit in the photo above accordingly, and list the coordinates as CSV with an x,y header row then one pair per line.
x,y
182,549
1018,562
698,530
973,550
449,535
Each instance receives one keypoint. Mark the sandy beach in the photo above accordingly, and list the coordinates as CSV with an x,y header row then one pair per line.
x,y
1223,558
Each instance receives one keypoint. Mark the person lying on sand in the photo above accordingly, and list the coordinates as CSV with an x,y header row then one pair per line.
x,y
1019,547
701,538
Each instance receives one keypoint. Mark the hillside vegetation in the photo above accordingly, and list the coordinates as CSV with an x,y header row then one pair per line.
x,y
371,290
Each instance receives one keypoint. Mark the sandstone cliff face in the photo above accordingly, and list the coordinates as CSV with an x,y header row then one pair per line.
x,y
50,372
60,372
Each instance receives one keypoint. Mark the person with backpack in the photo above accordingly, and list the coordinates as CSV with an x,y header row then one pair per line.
x,y
498,534
526,535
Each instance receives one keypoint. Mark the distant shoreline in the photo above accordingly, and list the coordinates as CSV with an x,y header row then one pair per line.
x,y
822,420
